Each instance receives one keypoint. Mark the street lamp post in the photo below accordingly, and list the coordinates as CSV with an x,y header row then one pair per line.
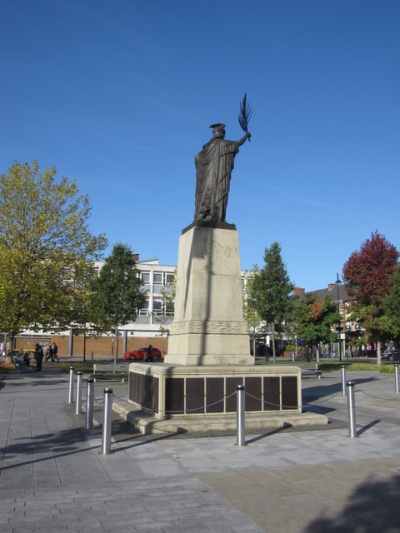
x,y
338,282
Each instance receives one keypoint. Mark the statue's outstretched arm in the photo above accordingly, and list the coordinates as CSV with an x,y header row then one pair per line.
x,y
244,138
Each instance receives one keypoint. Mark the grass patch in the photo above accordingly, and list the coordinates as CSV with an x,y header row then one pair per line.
x,y
111,376
386,369
85,368
335,366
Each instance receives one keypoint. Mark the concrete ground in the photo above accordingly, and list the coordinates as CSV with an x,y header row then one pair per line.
x,y
54,476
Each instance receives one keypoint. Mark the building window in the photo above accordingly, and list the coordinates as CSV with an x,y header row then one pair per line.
x,y
158,278
144,311
157,307
170,278
145,276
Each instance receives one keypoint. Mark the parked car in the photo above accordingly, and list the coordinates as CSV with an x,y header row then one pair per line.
x,y
392,354
141,354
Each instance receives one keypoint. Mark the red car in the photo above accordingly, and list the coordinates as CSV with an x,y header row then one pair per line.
x,y
141,354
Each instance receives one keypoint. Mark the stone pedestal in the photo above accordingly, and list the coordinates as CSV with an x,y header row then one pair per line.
x,y
208,327
208,353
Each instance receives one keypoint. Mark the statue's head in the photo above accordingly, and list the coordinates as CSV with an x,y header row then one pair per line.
x,y
218,130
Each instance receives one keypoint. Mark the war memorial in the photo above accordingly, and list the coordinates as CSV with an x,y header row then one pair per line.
x,y
208,348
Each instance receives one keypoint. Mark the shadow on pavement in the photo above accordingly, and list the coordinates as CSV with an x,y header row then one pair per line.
x,y
373,506
321,391
53,445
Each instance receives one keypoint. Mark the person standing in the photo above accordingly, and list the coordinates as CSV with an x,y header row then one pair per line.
x,y
55,352
149,356
38,356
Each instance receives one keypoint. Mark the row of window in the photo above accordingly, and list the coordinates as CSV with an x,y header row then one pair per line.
x,y
159,278
158,309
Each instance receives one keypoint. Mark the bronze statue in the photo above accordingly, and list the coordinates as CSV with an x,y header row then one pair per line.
x,y
214,165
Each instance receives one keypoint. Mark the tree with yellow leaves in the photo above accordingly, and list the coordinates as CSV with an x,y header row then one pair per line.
x,y
46,249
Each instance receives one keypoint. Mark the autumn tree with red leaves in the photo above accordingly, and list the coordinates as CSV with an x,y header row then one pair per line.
x,y
367,276
367,273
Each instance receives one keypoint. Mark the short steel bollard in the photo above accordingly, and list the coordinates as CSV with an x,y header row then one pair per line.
x,y
106,448
89,403
71,385
352,410
240,416
396,377
78,399
343,380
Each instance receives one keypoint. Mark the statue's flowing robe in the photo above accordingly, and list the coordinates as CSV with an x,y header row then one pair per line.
x,y
214,165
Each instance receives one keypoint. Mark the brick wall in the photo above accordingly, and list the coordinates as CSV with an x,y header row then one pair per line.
x,y
102,347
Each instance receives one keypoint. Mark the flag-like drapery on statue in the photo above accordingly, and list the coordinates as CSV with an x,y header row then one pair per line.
x,y
214,165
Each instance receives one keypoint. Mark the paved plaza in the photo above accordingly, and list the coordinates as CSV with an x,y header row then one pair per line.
x,y
54,476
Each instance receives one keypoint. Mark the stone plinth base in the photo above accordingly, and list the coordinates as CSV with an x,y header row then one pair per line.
x,y
164,397
208,327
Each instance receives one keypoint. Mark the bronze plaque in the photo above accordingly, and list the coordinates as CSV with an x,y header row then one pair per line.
x,y
271,394
215,395
133,387
231,384
174,396
252,386
194,395
289,392
143,390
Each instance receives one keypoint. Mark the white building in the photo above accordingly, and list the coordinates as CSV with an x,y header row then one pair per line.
x,y
156,315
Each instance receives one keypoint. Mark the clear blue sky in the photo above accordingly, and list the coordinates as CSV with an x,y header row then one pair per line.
x,y
120,95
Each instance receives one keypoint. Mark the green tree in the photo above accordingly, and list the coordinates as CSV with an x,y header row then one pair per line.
x,y
45,247
271,289
314,319
390,321
367,277
116,292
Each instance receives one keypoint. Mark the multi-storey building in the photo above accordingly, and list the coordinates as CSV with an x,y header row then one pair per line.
x,y
157,312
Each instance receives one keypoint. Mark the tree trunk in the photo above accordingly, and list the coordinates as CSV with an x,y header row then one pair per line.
x,y
84,345
378,353
273,343
9,359
116,345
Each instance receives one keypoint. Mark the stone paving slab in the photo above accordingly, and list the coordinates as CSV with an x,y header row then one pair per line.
x,y
54,477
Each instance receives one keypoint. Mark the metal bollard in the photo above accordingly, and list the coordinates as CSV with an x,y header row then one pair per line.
x,y
78,399
71,385
89,403
343,380
106,447
240,416
396,377
352,410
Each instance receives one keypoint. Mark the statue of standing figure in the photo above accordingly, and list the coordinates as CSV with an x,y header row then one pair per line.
x,y
214,165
